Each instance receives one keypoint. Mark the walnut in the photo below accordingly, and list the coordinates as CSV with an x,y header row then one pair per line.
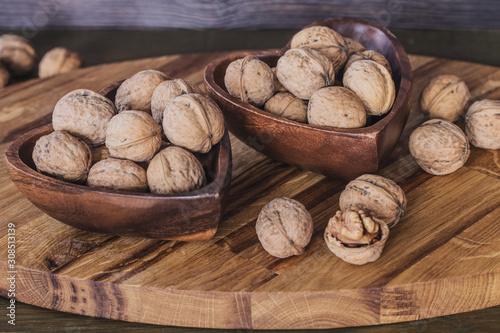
x,y
439,147
175,170
166,92
278,87
353,46
368,55
304,71
4,76
483,124
337,107
57,61
63,156
85,114
99,153
325,40
116,174
445,97
373,84
194,122
356,237
288,106
377,196
17,54
284,227
250,80
133,135
135,93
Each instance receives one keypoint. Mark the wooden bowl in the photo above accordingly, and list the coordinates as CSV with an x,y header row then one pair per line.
x,y
335,152
192,216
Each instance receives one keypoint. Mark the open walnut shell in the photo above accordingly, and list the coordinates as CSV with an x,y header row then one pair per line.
x,y
343,229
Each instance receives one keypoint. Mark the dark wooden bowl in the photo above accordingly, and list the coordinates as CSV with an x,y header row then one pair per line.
x,y
192,216
339,153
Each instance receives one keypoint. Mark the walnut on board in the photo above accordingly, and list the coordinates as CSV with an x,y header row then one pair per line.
x,y
356,237
84,113
4,76
59,60
288,106
336,107
325,40
62,156
304,71
284,227
368,55
353,46
482,124
439,147
165,93
445,97
250,79
135,93
17,54
378,196
373,84
133,135
194,122
118,174
175,170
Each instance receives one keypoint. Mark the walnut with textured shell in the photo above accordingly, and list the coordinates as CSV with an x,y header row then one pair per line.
x,y
368,55
288,106
59,60
482,124
353,46
118,174
17,54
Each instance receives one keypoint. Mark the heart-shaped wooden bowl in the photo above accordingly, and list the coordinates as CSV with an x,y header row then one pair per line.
x,y
339,153
192,216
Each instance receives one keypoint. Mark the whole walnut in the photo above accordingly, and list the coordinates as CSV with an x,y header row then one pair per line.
x,y
278,87
99,153
284,227
175,170
166,92
63,156
373,84
368,55
133,135
135,93
353,46
116,174
194,122
85,114
4,76
379,197
288,106
57,61
482,124
250,80
439,147
356,237
304,71
445,97
17,54
337,107
325,40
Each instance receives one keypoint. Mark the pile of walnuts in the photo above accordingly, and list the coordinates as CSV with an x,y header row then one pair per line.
x,y
441,147
302,87
124,147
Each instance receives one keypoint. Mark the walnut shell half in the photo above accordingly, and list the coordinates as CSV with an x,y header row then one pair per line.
x,y
194,122
378,196
439,147
356,252
57,61
284,227
483,124
116,174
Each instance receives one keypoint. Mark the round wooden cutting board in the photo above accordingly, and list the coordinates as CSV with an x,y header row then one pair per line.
x,y
442,258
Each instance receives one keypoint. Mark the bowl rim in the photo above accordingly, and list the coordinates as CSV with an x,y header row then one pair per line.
x,y
212,190
372,130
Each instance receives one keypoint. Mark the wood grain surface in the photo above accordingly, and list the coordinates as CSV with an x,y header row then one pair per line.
x,y
33,15
442,258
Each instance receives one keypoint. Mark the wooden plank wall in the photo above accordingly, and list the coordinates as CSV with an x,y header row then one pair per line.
x,y
33,15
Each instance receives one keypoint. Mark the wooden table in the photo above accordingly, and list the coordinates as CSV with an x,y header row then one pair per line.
x,y
479,320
